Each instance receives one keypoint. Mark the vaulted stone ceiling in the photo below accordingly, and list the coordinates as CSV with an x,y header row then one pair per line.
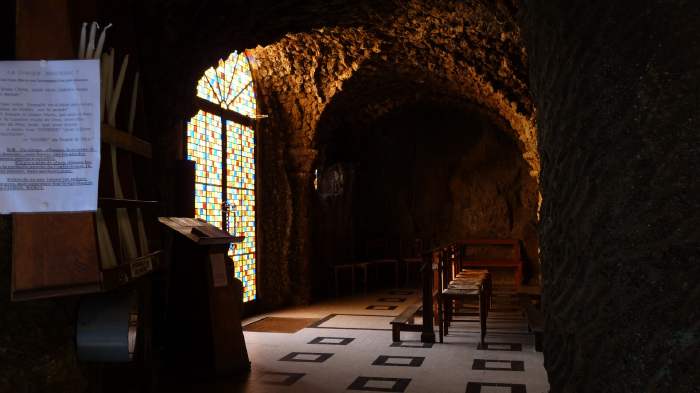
x,y
361,58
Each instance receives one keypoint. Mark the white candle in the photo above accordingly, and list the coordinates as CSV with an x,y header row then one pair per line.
x,y
112,119
101,42
81,46
91,42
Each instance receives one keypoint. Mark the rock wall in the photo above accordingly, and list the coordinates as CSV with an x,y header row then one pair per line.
x,y
617,87
439,173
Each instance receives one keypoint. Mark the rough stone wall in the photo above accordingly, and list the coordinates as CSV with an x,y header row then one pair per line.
x,y
439,173
294,78
468,51
617,87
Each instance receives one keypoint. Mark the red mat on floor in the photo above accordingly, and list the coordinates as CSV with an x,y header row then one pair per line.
x,y
279,325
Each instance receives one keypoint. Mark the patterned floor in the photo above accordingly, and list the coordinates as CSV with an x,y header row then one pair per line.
x,y
350,349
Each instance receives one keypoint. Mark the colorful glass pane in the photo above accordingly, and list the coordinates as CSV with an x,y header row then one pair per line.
x,y
240,179
204,148
230,85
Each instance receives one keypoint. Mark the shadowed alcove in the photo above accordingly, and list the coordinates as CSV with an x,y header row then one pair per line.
x,y
423,164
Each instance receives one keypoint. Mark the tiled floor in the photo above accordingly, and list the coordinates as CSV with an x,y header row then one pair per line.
x,y
349,349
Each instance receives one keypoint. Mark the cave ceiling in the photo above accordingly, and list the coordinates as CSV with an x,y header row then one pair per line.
x,y
356,59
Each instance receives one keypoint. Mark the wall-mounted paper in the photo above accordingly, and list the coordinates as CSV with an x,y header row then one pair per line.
x,y
49,135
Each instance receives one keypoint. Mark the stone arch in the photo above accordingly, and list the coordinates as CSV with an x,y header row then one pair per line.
x,y
440,46
372,95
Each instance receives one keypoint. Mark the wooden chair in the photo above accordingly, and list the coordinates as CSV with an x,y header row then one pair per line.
x,y
463,286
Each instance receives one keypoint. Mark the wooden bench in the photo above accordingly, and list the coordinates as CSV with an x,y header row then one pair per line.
x,y
404,322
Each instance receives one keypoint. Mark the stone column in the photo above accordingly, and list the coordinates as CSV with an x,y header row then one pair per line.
x,y
617,90
300,160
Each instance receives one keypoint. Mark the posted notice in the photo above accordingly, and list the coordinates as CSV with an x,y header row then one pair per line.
x,y
49,135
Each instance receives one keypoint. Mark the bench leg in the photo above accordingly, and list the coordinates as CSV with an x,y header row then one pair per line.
x,y
538,341
482,316
448,315
440,317
396,332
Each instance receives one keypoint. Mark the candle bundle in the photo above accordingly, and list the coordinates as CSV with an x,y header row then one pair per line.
x,y
109,100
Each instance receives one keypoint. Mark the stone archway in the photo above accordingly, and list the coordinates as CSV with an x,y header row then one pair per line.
x,y
438,45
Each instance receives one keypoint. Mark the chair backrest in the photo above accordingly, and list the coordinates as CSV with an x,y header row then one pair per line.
x,y
490,249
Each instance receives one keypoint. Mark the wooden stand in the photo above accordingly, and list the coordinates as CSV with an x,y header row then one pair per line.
x,y
56,254
204,302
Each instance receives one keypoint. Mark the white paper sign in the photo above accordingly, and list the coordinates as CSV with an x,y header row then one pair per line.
x,y
49,135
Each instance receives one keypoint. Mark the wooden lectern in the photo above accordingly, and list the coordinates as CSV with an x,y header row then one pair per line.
x,y
204,302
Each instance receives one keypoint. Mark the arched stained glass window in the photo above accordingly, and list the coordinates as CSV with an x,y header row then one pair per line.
x,y
221,142
229,85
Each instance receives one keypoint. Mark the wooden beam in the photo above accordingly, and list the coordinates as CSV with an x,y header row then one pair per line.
x,y
126,141
226,114
114,203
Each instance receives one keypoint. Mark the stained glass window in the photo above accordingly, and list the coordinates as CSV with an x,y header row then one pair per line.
x,y
230,86
240,162
204,148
